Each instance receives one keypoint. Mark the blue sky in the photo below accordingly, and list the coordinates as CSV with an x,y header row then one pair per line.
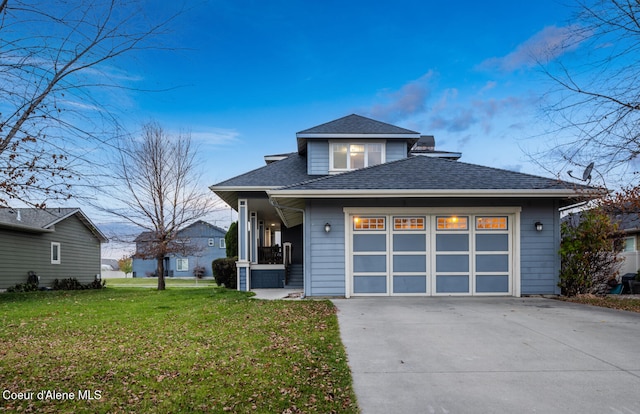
x,y
245,76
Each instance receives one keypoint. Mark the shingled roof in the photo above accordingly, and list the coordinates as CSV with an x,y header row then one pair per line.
x,y
425,173
35,220
355,126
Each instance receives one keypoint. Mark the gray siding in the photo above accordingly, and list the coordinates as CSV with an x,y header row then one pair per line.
x,y
395,151
324,252
539,258
23,252
317,157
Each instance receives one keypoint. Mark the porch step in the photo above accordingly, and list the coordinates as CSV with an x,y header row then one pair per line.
x,y
296,276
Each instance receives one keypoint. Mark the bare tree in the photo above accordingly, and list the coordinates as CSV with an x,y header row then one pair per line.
x,y
56,62
156,187
596,106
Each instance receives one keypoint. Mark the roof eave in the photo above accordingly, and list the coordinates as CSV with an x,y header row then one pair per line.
x,y
493,193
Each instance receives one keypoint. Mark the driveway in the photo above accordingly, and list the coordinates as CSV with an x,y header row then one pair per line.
x,y
490,355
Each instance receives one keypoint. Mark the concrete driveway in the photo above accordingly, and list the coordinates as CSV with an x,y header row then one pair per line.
x,y
490,355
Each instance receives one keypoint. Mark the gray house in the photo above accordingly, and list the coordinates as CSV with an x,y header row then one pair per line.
x,y
202,242
359,213
56,243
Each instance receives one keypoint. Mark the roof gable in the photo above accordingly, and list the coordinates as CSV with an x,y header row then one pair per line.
x,y
37,220
356,124
356,127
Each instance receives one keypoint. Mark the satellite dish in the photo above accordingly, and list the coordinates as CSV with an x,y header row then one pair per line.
x,y
586,175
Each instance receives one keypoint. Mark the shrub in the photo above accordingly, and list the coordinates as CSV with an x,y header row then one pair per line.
x,y
23,287
588,252
32,284
225,273
198,272
73,284
231,240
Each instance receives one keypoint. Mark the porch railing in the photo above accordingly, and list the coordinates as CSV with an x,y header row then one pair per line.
x,y
270,255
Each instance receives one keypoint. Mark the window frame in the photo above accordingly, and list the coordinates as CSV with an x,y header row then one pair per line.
x,y
626,244
180,261
465,217
349,167
505,218
55,247
357,218
222,244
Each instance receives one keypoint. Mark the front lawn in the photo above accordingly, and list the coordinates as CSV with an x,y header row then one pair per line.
x,y
126,350
152,282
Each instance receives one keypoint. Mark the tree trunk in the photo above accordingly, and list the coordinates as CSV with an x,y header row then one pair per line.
x,y
161,284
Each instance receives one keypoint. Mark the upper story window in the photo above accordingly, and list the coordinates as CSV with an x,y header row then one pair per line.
x,y
354,156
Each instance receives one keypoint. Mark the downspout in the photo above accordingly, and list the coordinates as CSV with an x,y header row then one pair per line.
x,y
300,210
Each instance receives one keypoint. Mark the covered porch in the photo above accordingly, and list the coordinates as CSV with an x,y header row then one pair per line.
x,y
269,253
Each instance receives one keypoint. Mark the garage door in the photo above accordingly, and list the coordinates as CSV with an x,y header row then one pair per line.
x,y
431,254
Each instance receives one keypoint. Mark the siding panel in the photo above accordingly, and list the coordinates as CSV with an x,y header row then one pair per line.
x,y
24,252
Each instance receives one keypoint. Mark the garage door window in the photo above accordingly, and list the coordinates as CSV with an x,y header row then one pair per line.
x,y
491,223
369,223
408,223
452,223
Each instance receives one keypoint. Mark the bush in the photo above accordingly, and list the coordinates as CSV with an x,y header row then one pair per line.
x,y
589,254
198,272
73,284
32,284
225,273
231,240
23,287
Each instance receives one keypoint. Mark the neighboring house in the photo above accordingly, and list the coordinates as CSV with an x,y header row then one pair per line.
x,y
629,225
363,215
203,243
55,243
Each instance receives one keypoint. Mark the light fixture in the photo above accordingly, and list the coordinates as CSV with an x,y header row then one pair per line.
x,y
538,226
327,228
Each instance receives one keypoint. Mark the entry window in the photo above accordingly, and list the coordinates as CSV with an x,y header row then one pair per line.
x,y
182,265
452,223
491,223
369,223
408,223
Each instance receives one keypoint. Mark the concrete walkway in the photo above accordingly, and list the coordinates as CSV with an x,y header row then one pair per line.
x,y
490,355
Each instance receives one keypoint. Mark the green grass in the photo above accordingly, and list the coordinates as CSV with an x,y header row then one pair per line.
x,y
152,282
180,350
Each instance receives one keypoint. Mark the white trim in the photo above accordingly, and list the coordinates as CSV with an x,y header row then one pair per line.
x,y
366,144
426,193
59,253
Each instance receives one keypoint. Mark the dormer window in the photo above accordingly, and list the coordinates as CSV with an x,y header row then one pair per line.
x,y
353,156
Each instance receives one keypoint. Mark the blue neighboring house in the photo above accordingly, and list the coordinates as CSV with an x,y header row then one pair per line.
x,y
366,208
204,243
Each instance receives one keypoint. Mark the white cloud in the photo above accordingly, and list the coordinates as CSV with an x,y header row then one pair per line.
x,y
409,100
544,46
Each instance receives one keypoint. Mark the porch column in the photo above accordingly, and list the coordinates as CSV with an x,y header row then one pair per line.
x,y
253,231
243,265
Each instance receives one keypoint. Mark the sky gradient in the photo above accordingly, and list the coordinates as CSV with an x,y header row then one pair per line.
x,y
245,76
